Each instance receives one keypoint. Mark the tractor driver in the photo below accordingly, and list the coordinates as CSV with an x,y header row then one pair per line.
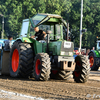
x,y
39,33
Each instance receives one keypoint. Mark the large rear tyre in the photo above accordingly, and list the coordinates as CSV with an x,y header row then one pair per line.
x,y
21,60
92,59
82,69
41,68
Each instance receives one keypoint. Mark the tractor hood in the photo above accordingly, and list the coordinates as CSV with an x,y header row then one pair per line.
x,y
41,18
61,48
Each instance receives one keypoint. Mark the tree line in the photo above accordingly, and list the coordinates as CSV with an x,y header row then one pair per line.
x,y
15,11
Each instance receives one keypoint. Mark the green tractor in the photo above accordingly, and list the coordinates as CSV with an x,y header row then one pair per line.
x,y
94,56
49,58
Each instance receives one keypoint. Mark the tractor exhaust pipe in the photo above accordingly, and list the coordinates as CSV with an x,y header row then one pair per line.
x,y
48,32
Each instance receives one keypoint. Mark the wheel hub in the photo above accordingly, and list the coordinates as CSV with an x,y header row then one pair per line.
x,y
15,60
91,61
38,67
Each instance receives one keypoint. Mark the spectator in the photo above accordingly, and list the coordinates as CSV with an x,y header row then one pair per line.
x,y
88,50
7,43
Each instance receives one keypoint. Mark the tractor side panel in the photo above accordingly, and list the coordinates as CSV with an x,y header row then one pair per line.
x,y
44,47
55,47
37,47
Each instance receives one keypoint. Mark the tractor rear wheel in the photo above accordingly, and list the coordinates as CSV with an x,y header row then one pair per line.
x,y
93,65
21,59
41,68
82,69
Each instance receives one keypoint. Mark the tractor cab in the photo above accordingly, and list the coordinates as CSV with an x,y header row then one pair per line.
x,y
52,22
45,22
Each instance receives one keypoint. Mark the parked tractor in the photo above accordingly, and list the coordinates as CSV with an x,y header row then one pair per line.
x,y
94,56
52,57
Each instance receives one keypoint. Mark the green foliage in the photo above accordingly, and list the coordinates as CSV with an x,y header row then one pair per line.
x,y
91,21
15,11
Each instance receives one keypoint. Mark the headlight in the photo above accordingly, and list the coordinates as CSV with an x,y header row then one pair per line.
x,y
62,53
70,53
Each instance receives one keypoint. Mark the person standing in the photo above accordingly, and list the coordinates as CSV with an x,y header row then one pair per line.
x,y
7,43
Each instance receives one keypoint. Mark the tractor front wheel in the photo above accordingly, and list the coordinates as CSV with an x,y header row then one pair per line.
x,y
64,75
41,68
82,69
61,74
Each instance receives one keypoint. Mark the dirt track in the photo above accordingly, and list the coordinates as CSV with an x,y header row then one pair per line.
x,y
52,89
